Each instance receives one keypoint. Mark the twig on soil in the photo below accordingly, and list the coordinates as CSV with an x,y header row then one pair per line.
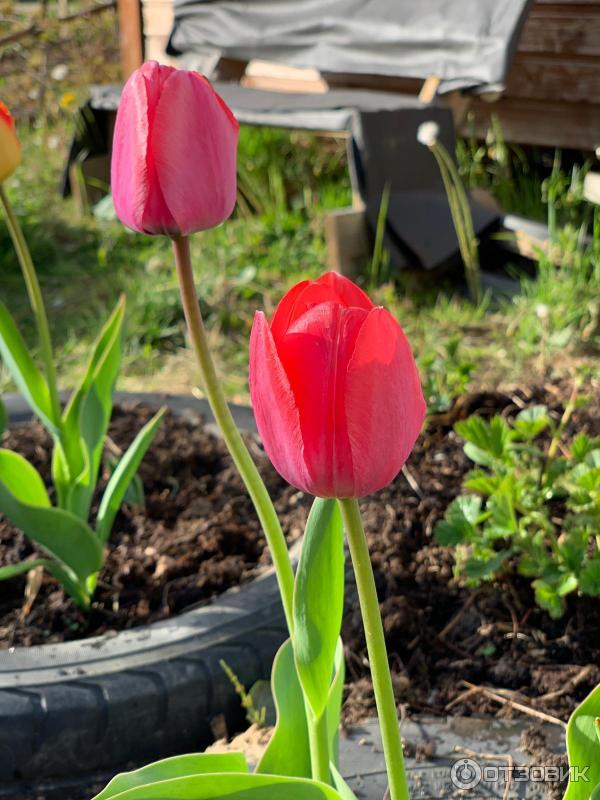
x,y
498,698
462,696
459,615
569,685
412,482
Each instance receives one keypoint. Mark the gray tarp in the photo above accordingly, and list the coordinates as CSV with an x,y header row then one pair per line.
x,y
467,43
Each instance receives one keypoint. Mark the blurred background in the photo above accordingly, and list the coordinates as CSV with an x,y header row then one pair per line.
x,y
525,150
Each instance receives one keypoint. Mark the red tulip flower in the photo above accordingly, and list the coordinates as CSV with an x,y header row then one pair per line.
x,y
174,153
335,389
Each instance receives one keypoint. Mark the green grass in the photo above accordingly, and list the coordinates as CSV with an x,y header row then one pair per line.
x,y
275,239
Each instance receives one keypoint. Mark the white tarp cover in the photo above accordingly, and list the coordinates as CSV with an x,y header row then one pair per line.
x,y
467,43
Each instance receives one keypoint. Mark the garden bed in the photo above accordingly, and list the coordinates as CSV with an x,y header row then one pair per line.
x,y
199,535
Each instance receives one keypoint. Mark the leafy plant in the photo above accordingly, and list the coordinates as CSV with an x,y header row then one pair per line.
x,y
529,506
74,552
446,374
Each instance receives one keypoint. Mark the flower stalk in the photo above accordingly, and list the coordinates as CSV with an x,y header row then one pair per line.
x,y
232,437
378,660
37,303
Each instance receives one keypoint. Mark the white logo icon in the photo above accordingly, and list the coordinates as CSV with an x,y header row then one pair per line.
x,y
466,774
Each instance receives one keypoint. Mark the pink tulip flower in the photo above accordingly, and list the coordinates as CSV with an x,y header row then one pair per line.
x,y
174,153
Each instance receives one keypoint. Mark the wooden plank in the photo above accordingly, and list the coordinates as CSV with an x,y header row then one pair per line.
x,y
130,36
560,31
545,78
572,125
347,241
281,78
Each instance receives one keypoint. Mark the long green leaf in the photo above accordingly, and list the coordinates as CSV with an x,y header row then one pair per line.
x,y
288,752
175,767
123,475
86,418
60,533
29,379
344,791
583,747
22,479
334,704
14,570
231,786
319,602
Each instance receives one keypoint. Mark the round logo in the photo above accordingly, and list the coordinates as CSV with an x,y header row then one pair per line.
x,y
466,774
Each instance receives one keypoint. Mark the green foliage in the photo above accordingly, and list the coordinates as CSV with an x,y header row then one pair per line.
x,y
210,777
288,752
74,550
254,715
583,748
319,602
445,373
531,508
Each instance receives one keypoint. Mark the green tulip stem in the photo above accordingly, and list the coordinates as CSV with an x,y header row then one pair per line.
x,y
378,659
233,439
318,737
36,300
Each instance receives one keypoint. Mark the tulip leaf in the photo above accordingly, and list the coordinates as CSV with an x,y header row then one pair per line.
x,y
341,787
14,570
288,752
319,602
334,703
75,465
22,479
123,475
60,533
29,379
583,748
230,786
3,417
175,767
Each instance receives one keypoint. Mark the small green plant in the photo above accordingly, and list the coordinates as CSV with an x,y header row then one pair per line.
x,y
71,550
446,374
255,716
533,504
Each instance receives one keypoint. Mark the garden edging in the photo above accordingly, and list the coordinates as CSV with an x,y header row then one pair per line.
x,y
93,706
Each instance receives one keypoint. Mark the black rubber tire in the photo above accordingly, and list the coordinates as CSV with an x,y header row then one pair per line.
x,y
73,714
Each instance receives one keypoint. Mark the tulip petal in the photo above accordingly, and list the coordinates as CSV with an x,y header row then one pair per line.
x,y
274,406
314,353
345,291
384,402
330,287
129,172
194,153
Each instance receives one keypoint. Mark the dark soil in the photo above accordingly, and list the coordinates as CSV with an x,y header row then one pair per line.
x,y
440,634
198,535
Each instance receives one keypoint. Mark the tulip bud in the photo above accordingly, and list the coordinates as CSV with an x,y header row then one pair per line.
x,y
335,389
174,153
10,149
